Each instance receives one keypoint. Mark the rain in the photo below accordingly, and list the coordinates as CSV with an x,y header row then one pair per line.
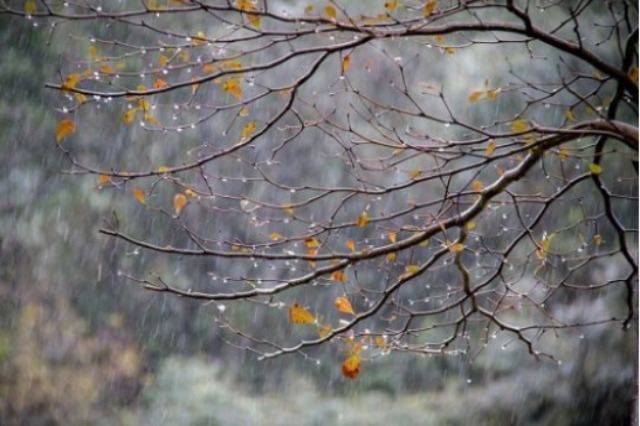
x,y
262,212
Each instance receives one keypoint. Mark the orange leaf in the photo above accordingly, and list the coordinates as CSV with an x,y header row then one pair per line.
x,y
208,68
456,248
104,180
179,202
351,245
351,367
160,84
381,342
65,128
338,276
477,186
299,315
233,86
312,242
390,5
346,63
330,11
343,305
363,219
138,194
475,96
429,8
393,236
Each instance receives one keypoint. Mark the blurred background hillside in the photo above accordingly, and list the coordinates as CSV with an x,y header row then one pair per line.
x,y
79,344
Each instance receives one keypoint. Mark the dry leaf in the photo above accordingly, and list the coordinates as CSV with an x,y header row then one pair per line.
x,y
351,245
179,202
138,194
299,315
363,219
456,247
351,367
65,128
343,305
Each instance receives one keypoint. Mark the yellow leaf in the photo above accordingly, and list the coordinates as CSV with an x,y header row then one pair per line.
x,y
80,97
312,242
414,174
104,180
105,69
493,94
308,9
429,8
470,226
160,83
254,19
393,236
456,247
477,186
93,52
491,147
343,305
338,276
163,60
151,4
30,7
346,63
439,38
563,154
179,202
597,240
391,257
233,86
288,210
129,116
569,114
363,219
595,168
138,194
71,81
299,315
351,245
230,64
351,367
312,252
144,104
449,50
381,342
248,129
274,236
411,269
148,118
65,128
520,126
190,193
163,169
324,330
390,5
330,11
475,96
